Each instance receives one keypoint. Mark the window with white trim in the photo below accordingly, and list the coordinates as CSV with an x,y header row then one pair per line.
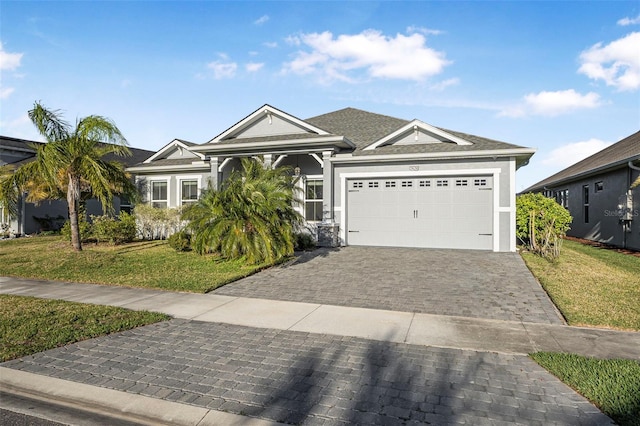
x,y
188,191
313,200
442,182
159,194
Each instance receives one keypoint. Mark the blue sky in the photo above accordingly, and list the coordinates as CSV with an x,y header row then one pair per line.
x,y
562,77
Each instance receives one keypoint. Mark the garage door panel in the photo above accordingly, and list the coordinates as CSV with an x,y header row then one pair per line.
x,y
438,212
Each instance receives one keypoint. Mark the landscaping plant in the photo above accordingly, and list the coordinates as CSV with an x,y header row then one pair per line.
x,y
251,216
541,223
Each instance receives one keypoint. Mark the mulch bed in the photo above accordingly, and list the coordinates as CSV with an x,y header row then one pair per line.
x,y
604,246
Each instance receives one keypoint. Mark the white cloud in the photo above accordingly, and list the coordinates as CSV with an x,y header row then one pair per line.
x,y
401,57
5,92
422,30
9,61
261,20
566,155
617,63
270,44
254,66
440,86
629,21
223,69
552,103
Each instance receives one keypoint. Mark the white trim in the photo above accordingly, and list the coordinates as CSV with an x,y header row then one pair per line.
x,y
257,114
278,160
224,163
411,127
179,179
176,167
497,153
512,204
165,179
318,159
314,143
461,172
304,200
174,143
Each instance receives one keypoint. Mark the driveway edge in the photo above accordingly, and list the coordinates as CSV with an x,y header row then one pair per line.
x,y
116,404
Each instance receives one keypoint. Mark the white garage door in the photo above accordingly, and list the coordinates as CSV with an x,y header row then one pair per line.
x,y
435,212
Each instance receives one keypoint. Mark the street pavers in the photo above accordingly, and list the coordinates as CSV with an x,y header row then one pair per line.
x,y
315,379
467,283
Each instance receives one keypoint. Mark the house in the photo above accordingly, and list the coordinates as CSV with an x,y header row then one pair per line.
x,y
364,178
33,218
598,193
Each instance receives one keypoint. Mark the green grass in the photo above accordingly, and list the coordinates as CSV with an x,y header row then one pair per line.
x,y
151,264
613,385
591,286
29,325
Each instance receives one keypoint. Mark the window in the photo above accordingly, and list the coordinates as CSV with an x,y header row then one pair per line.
x,y
357,185
188,191
599,186
125,204
390,184
461,182
425,183
373,184
585,203
159,194
313,199
442,182
407,184
480,182
562,198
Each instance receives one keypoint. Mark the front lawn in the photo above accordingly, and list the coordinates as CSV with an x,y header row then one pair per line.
x,y
29,325
613,385
151,264
591,286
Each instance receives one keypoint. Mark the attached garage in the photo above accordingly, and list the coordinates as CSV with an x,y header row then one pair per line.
x,y
421,211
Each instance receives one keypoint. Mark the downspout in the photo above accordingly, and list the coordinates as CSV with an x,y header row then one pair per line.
x,y
627,222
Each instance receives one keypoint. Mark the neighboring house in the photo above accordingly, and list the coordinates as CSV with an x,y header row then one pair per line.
x,y
365,178
597,191
33,218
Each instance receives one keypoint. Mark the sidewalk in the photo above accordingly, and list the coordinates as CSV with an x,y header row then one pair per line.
x,y
234,360
381,325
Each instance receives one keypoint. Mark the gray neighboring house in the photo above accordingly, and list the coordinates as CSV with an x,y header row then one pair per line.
x,y
597,191
365,179
33,218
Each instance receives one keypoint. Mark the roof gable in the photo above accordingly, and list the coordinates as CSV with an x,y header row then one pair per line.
x,y
417,132
176,149
267,121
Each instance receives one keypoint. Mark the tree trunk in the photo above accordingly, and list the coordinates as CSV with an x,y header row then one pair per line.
x,y
73,190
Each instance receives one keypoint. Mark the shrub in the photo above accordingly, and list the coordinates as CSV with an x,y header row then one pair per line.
x,y
304,241
541,223
114,230
180,241
157,224
83,226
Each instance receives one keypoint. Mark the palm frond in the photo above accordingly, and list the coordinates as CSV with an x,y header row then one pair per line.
x,y
49,123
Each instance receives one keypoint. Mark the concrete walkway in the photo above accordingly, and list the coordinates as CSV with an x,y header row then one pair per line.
x,y
392,326
236,360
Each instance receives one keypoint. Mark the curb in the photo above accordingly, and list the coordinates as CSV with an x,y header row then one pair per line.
x,y
116,404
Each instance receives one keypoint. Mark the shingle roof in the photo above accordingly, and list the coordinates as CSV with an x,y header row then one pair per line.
x,y
628,149
364,128
137,154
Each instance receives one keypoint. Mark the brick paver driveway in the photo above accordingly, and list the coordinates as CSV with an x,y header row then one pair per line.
x,y
447,282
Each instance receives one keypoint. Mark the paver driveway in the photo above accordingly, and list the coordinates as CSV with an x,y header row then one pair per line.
x,y
467,283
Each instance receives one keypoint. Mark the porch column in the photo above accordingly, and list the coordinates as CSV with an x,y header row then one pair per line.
x,y
213,179
327,188
268,160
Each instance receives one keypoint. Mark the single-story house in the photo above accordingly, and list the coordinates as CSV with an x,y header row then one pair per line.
x,y
598,193
33,218
365,178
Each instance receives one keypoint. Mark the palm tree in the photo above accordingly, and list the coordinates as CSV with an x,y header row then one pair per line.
x,y
251,216
70,164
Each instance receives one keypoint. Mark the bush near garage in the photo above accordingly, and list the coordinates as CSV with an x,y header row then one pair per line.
x,y
541,223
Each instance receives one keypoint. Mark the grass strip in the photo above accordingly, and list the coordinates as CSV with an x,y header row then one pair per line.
x,y
29,325
149,264
591,286
613,385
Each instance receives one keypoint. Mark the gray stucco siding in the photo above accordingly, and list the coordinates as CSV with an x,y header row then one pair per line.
x,y
173,184
500,170
604,224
